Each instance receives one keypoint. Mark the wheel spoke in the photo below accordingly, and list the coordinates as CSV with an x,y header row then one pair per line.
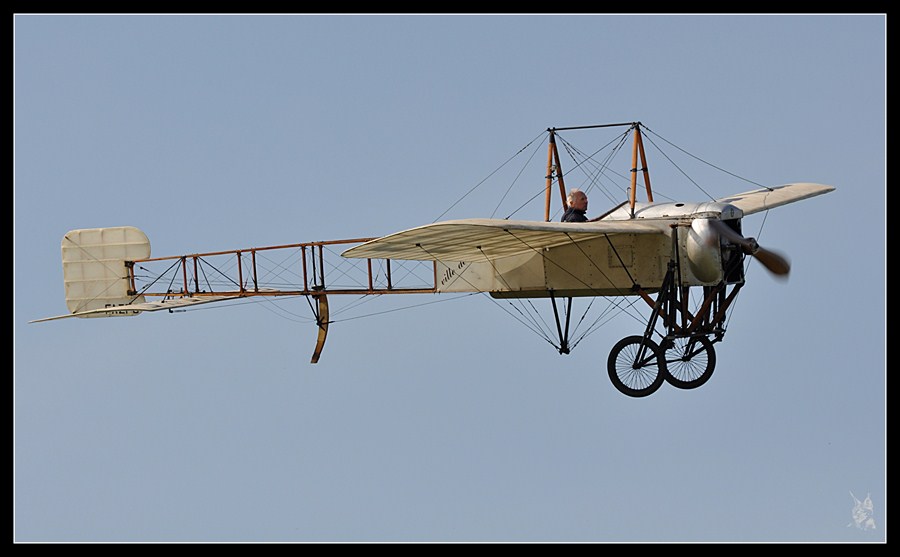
x,y
689,362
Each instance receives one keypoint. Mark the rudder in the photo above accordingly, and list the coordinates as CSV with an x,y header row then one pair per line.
x,y
94,267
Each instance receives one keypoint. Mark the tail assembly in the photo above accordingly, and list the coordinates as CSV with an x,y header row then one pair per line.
x,y
97,269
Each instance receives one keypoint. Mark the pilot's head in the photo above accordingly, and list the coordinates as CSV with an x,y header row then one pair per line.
x,y
577,199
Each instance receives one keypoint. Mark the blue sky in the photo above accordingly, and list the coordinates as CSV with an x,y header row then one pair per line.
x,y
448,421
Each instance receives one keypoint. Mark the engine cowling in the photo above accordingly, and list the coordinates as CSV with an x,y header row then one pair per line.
x,y
704,253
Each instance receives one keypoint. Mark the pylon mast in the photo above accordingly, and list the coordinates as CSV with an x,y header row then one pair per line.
x,y
554,167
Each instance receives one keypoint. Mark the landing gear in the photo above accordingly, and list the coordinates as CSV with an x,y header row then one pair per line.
x,y
685,357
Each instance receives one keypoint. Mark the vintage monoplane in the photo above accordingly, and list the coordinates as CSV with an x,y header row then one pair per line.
x,y
636,249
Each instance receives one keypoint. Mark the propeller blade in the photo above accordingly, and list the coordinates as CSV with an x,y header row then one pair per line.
x,y
775,262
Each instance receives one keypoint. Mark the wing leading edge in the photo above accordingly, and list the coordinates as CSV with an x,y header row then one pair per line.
x,y
487,239
768,198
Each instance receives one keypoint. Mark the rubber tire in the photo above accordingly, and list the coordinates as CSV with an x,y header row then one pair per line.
x,y
631,381
690,374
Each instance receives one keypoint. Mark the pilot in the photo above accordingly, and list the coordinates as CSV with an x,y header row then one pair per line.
x,y
578,202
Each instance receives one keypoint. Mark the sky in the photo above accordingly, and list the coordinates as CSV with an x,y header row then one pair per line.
x,y
450,421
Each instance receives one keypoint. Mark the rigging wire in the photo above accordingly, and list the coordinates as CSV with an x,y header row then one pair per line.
x,y
537,330
598,168
698,159
621,139
290,316
624,307
487,177
154,281
464,295
531,316
513,182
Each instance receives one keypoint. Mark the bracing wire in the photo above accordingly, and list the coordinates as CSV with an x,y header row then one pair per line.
x,y
695,157
513,182
486,178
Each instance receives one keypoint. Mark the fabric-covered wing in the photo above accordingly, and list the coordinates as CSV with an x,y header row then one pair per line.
x,y
768,198
485,239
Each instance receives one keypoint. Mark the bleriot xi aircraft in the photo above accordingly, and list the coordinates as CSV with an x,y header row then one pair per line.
x,y
686,261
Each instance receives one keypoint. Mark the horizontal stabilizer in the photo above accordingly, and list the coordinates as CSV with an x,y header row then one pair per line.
x,y
137,308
